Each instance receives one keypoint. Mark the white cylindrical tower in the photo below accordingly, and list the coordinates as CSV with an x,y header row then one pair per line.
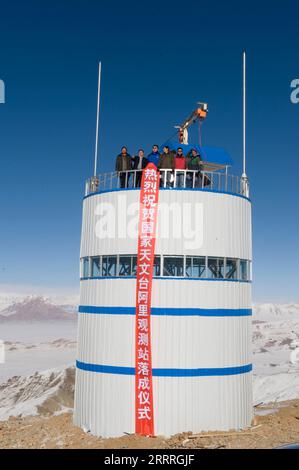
x,y
200,315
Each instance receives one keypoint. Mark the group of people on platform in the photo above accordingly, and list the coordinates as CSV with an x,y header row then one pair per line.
x,y
167,160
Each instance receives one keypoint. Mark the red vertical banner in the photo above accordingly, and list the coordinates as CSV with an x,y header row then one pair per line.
x,y
149,194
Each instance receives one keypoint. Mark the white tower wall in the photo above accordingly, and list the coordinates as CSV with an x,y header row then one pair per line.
x,y
201,329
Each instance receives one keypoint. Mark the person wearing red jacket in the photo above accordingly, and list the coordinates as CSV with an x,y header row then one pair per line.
x,y
180,164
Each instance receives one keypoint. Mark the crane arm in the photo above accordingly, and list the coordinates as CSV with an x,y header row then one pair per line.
x,y
199,113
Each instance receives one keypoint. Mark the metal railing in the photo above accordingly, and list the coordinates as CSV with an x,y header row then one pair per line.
x,y
170,179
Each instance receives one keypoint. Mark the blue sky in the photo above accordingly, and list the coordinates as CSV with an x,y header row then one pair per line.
x,y
159,59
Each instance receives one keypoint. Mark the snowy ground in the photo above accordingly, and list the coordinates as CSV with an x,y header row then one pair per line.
x,y
275,337
38,374
37,348
33,340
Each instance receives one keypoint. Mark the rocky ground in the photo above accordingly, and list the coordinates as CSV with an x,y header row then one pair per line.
x,y
274,425
37,383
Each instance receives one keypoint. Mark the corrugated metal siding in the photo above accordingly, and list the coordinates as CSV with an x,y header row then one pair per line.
x,y
202,403
178,293
104,403
226,224
177,342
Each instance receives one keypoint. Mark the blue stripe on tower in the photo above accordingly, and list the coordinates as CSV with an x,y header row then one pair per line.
x,y
201,312
202,372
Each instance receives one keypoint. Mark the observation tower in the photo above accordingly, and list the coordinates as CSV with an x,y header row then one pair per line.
x,y
179,358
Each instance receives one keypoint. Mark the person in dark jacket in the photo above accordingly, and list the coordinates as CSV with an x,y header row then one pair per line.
x,y
194,163
153,157
166,162
139,163
123,166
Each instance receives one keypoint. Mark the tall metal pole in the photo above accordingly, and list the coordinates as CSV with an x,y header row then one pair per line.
x,y
244,114
244,179
97,124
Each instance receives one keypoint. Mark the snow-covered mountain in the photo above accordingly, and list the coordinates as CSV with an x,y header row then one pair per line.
x,y
48,345
37,308
275,336
48,392
41,308
11,294
274,312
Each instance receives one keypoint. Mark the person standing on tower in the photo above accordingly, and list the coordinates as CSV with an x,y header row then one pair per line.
x,y
166,164
153,157
194,163
180,164
139,163
123,166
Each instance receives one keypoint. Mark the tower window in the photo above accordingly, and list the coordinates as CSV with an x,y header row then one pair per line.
x,y
134,265
96,266
196,266
231,271
157,266
109,266
173,266
85,267
193,267
215,268
125,265
244,274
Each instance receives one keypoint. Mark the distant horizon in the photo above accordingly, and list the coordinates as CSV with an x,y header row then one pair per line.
x,y
50,292
151,82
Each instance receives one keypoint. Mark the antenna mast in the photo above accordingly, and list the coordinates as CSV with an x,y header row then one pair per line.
x,y
97,124
245,183
244,114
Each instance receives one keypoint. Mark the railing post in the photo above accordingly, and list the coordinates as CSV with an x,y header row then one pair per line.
x,y
217,180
